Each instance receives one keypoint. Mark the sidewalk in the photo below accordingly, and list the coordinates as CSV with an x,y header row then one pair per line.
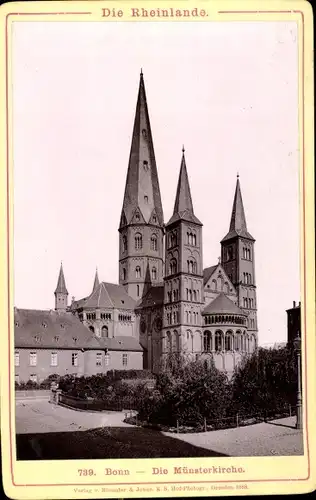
x,y
278,437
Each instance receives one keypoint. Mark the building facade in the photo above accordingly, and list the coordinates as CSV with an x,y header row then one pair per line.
x,y
293,323
166,301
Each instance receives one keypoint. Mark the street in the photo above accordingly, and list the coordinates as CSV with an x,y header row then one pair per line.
x,y
94,435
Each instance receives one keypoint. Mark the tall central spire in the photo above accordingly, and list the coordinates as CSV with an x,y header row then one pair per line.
x,y
183,207
142,193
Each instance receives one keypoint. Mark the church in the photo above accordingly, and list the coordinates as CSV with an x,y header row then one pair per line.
x,y
164,302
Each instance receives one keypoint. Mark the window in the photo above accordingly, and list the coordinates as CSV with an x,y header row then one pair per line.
x,y
192,266
53,359
228,342
145,199
138,272
153,242
138,241
91,328
17,379
145,165
207,341
56,338
173,266
137,290
33,358
105,316
124,242
218,341
124,274
98,361
154,219
33,377
104,331
124,359
107,359
74,359
154,273
16,358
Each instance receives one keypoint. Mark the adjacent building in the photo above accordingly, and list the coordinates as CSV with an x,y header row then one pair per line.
x,y
293,323
165,302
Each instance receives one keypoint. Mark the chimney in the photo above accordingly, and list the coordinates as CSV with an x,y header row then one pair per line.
x,y
294,304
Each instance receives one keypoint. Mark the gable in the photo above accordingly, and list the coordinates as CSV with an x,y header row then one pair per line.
x,y
217,280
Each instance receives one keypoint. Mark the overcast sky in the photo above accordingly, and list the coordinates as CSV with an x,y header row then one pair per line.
x,y
227,91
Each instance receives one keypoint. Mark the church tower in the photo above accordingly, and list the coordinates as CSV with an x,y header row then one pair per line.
x,y
61,292
183,290
238,260
141,226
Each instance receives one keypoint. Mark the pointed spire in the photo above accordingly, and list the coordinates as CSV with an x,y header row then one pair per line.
x,y
238,225
61,284
142,186
238,219
183,207
183,198
96,281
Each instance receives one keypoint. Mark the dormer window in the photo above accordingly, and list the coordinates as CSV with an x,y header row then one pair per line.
x,y
36,338
74,339
44,325
56,338
62,325
17,324
145,165
146,199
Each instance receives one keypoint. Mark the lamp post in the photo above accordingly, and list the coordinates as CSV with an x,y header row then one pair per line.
x,y
297,346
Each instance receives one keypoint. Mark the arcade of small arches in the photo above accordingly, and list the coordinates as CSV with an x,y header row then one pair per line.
x,y
211,319
220,341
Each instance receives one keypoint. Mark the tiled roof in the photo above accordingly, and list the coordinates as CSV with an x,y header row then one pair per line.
x,y
153,297
234,234
106,296
222,304
207,273
58,330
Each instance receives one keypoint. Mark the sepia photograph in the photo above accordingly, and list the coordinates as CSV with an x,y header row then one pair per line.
x,y
157,295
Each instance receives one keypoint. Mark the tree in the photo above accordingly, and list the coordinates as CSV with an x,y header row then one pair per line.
x,y
187,392
264,381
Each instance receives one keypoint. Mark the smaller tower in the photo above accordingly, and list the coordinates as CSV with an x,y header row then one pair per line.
x,y
96,281
183,282
61,292
238,260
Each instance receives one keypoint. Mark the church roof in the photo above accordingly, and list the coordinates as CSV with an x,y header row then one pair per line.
x,y
37,329
207,273
153,297
183,207
142,192
61,284
222,304
238,225
106,296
